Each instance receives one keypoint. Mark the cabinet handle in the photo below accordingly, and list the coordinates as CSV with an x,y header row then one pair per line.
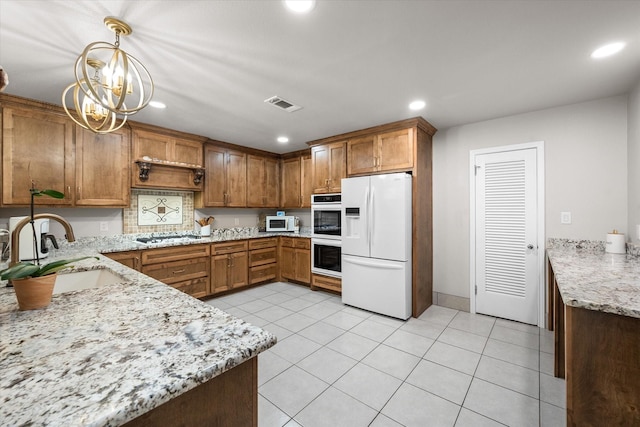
x,y
179,271
69,189
78,190
228,261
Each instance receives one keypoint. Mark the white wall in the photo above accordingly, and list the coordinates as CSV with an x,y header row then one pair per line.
x,y
85,222
633,162
585,174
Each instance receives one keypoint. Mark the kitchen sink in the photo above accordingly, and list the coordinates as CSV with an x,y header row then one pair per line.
x,y
85,280
176,237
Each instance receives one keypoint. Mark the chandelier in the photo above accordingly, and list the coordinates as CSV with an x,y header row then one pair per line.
x,y
110,84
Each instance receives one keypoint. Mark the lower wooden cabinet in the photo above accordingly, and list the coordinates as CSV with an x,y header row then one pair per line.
x,y
319,281
131,259
295,259
185,268
263,260
228,266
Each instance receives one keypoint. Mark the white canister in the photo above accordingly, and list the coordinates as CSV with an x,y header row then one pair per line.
x,y
615,243
205,230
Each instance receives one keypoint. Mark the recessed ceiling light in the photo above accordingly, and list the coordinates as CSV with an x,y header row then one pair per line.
x,y
417,105
283,139
300,6
157,104
607,50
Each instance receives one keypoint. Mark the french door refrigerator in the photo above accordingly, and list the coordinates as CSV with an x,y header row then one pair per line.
x,y
376,243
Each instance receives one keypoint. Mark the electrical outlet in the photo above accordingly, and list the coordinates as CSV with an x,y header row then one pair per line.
x,y
236,221
104,226
565,217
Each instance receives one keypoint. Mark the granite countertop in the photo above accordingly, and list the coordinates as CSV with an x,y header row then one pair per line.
x,y
104,356
590,278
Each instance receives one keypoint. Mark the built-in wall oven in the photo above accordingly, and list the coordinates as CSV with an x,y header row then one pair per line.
x,y
326,239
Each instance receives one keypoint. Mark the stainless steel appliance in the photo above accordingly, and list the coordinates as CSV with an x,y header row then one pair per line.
x,y
326,257
27,244
326,221
281,223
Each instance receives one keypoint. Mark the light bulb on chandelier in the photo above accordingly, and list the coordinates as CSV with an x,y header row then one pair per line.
x,y
109,80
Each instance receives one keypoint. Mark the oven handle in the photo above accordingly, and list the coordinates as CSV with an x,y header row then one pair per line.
x,y
326,242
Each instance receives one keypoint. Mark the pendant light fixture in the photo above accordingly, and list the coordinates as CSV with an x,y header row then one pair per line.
x,y
110,84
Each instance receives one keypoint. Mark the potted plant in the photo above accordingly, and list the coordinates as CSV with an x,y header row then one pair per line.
x,y
33,283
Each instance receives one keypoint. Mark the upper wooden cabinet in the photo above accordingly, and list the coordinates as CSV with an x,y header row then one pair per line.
x,y
263,179
102,168
328,164
173,160
296,182
226,177
48,148
385,152
37,146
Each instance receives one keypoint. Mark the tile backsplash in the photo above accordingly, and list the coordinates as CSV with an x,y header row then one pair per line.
x,y
130,214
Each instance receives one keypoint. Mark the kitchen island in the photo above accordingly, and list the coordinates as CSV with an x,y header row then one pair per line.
x,y
595,315
126,353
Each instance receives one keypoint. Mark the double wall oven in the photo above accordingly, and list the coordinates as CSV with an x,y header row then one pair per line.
x,y
326,239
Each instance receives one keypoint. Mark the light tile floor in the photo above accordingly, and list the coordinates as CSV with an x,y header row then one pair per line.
x,y
336,365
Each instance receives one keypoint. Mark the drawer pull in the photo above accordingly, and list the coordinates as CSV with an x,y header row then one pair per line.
x,y
179,271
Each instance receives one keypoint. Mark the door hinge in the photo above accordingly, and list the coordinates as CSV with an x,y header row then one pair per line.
x,y
475,170
476,289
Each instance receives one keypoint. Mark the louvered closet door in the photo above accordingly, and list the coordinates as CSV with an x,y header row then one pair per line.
x,y
506,251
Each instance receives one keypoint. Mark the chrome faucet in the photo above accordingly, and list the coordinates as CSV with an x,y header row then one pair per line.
x,y
15,235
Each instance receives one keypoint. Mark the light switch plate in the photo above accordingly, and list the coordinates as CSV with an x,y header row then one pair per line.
x,y
565,217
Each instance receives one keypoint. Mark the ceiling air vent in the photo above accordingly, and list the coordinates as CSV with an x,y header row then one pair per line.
x,y
282,104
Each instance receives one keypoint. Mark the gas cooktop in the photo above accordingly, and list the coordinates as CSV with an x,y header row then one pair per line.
x,y
158,239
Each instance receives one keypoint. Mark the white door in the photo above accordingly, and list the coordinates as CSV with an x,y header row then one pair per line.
x,y
506,235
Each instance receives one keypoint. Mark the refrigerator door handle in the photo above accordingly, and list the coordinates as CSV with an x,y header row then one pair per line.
x,y
376,263
371,216
366,217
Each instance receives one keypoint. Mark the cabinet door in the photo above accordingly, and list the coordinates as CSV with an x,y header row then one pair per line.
x,y
362,155
187,151
287,263
272,180
39,147
238,270
220,273
396,150
236,179
320,169
303,265
338,166
291,185
215,176
154,145
306,185
102,168
255,181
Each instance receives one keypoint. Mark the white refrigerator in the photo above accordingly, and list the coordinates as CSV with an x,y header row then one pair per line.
x,y
376,243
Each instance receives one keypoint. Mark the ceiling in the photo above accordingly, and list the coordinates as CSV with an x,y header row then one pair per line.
x,y
349,64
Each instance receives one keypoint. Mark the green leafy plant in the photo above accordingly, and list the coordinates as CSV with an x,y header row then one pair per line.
x,y
24,269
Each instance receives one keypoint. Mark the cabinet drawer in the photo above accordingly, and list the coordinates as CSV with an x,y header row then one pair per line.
x,y
325,282
302,243
197,288
263,243
262,273
174,253
228,247
262,256
287,242
176,271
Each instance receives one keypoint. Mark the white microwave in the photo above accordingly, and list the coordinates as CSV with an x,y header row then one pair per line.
x,y
281,223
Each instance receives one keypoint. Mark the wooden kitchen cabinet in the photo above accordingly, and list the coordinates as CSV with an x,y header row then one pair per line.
x,y
39,146
185,268
328,164
166,147
226,177
263,175
229,266
131,259
263,259
295,259
385,152
327,283
296,182
102,168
